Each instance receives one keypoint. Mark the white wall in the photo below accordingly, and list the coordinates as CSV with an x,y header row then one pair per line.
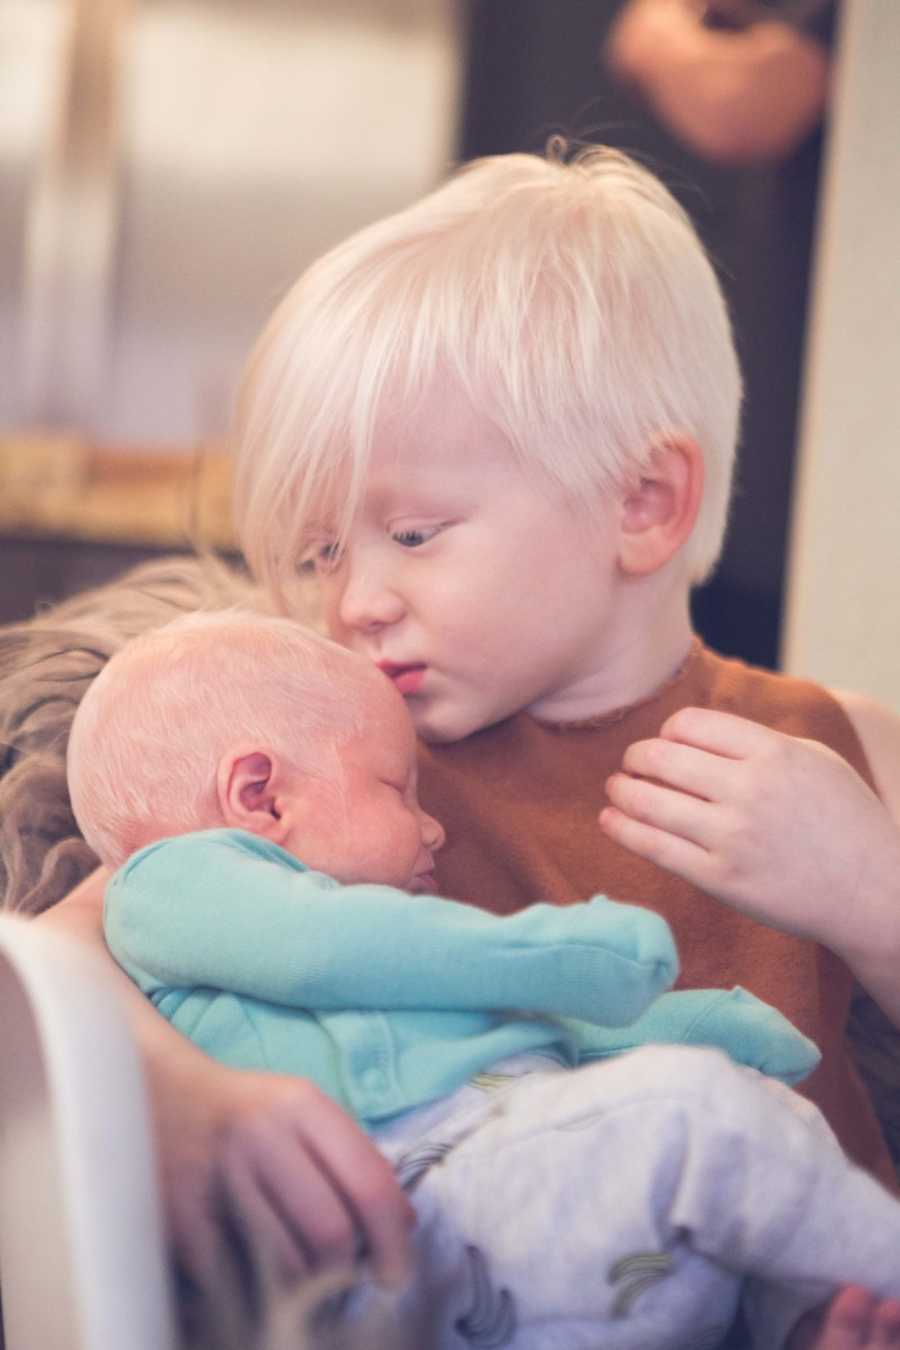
x,y
843,615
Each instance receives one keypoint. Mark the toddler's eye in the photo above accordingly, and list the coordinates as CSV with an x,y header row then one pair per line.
x,y
414,538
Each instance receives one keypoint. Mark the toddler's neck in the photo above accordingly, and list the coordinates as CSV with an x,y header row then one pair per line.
x,y
641,658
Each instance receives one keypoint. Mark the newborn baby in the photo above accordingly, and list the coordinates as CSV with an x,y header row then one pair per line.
x,y
255,785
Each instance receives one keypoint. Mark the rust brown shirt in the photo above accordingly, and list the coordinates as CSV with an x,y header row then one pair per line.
x,y
519,802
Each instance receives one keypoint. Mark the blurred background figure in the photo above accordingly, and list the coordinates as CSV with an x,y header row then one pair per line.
x,y
727,102
746,84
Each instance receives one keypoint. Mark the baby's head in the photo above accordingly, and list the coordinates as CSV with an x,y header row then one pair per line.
x,y
252,722
570,305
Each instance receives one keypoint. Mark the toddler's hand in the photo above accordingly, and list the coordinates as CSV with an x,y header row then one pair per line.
x,y
781,828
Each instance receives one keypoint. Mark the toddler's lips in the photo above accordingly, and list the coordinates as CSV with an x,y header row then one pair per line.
x,y
407,679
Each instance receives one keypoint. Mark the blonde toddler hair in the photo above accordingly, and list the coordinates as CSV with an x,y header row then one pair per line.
x,y
571,302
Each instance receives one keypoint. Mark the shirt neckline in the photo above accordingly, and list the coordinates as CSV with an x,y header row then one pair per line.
x,y
617,715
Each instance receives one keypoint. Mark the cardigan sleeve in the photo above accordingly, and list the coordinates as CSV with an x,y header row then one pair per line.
x,y
750,1031
226,910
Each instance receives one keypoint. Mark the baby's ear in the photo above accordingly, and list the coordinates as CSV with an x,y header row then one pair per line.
x,y
659,511
247,788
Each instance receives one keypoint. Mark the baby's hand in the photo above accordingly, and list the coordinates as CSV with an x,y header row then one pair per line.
x,y
854,1320
781,828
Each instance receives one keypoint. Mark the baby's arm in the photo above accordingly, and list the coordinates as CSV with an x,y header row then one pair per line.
x,y
262,926
239,1139
748,1030
779,827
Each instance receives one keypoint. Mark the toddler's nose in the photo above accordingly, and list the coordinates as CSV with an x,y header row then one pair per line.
x,y
366,602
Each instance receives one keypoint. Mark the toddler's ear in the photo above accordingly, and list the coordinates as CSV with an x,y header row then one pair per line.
x,y
246,785
658,513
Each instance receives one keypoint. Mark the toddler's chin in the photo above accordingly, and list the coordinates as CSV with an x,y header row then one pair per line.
x,y
437,726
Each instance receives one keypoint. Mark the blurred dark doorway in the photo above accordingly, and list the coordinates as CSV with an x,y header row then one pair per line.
x,y
534,69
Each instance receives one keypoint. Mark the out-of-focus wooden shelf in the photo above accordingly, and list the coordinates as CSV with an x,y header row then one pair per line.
x,y
59,487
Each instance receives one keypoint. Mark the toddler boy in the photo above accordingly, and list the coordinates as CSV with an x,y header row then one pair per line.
x,y
261,784
499,427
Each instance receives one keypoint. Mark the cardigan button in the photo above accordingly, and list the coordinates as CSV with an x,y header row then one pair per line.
x,y
373,1081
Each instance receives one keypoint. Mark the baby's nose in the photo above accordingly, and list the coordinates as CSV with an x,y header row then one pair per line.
x,y
433,833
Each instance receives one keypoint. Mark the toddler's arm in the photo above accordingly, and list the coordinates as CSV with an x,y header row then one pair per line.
x,y
261,925
781,828
240,1138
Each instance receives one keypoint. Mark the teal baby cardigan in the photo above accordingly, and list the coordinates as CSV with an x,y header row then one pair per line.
x,y
388,1000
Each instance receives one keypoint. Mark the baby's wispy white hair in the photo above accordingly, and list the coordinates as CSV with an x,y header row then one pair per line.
x,y
151,731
